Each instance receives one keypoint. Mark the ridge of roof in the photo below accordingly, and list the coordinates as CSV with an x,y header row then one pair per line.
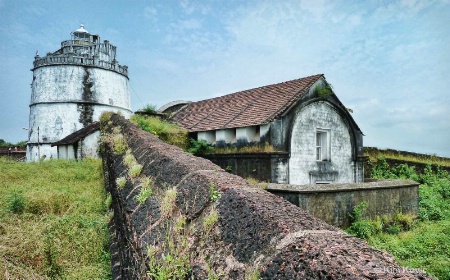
x,y
249,107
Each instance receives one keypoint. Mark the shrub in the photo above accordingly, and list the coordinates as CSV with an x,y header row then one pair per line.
x,y
393,229
199,147
381,170
16,202
364,228
358,212
404,221
150,108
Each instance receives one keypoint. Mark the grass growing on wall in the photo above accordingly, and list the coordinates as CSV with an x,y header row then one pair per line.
x,y
423,243
374,154
164,130
53,222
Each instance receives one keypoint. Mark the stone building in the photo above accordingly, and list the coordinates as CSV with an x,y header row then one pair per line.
x,y
317,140
71,88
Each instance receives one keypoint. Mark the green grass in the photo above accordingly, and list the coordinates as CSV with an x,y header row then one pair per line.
x,y
426,245
164,130
61,230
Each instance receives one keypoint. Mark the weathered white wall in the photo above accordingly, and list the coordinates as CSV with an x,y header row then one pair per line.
x,y
208,136
56,89
64,83
247,133
303,147
89,146
227,135
263,130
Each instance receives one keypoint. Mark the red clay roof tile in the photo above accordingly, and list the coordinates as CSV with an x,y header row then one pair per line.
x,y
245,108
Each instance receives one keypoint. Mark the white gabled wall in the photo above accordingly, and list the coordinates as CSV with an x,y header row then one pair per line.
x,y
303,166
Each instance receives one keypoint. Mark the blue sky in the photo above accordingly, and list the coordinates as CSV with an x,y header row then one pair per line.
x,y
389,61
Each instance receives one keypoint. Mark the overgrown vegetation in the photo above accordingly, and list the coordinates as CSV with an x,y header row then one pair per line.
x,y
423,242
170,260
259,148
53,221
374,154
323,92
150,108
164,130
199,147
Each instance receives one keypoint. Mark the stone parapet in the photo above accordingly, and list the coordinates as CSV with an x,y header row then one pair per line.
x,y
217,224
81,61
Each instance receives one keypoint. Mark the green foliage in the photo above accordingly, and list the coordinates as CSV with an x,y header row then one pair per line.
x,y
358,212
119,144
214,194
150,108
121,182
172,259
135,171
164,130
324,92
129,159
199,147
62,232
145,193
4,144
210,220
229,168
361,227
15,202
421,243
105,117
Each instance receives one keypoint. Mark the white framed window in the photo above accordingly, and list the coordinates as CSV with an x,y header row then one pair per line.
x,y
323,145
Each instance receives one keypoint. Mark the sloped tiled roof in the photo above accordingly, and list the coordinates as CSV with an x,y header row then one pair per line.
x,y
79,134
245,108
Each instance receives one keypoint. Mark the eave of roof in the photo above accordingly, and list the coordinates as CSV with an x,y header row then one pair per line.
x,y
77,135
244,108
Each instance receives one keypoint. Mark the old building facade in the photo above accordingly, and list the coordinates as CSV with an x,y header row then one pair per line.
x,y
316,139
71,88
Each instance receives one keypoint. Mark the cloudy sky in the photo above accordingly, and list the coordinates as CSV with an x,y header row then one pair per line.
x,y
389,61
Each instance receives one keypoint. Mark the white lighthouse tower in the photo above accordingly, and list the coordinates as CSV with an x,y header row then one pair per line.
x,y
71,88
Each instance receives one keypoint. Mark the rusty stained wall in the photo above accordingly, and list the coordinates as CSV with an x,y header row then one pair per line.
x,y
66,98
303,166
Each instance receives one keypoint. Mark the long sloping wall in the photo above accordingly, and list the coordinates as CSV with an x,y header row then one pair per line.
x,y
215,222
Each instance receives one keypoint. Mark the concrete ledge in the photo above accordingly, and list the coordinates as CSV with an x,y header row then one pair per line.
x,y
329,188
254,234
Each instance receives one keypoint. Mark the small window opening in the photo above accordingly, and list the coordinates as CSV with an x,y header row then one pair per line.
x,y
322,145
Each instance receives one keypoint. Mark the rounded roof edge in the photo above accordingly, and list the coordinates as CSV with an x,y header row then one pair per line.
x,y
169,105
